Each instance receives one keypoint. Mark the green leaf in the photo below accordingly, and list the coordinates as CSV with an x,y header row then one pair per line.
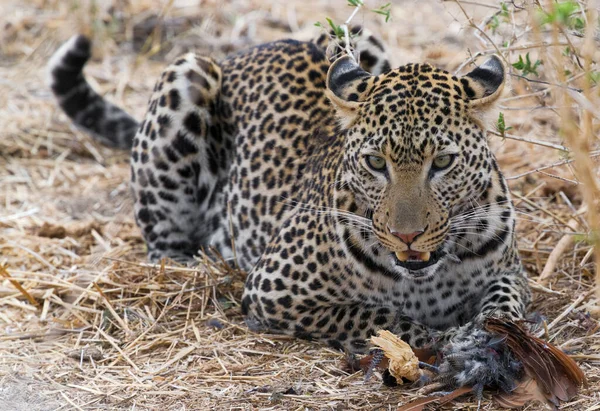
x,y
355,3
504,12
561,14
526,66
519,64
501,124
385,10
225,303
577,23
564,10
591,238
338,31
564,155
494,23
594,77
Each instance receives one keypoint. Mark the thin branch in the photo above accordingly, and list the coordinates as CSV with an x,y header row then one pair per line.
x,y
510,48
474,3
483,33
558,164
346,33
530,141
578,90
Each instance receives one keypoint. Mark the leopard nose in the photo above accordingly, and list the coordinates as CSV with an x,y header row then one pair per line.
x,y
406,238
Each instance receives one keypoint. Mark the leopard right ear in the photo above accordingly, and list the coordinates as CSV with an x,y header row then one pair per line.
x,y
484,85
347,86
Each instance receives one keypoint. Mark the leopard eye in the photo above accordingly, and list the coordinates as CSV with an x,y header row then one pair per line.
x,y
442,162
376,163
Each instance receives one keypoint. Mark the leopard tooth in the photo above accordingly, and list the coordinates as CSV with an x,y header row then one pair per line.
x,y
402,255
425,256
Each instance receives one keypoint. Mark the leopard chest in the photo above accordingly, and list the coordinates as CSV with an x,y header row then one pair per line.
x,y
449,297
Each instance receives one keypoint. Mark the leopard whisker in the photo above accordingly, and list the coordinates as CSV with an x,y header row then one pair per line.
x,y
482,235
452,242
325,209
495,213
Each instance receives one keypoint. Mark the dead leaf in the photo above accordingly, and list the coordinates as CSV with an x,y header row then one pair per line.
x,y
403,363
86,354
52,231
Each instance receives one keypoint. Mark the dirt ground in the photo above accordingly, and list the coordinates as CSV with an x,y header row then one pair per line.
x,y
95,327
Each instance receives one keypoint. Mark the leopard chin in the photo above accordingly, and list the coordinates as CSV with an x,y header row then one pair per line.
x,y
416,261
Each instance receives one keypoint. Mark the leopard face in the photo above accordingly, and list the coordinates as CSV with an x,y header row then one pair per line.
x,y
415,152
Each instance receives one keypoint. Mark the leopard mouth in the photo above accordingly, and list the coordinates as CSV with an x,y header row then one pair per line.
x,y
418,260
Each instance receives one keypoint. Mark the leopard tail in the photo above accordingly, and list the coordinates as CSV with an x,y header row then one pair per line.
x,y
104,121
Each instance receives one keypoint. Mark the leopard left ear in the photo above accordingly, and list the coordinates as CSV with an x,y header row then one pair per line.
x,y
347,86
484,85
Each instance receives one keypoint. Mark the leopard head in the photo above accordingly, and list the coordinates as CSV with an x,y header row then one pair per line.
x,y
415,149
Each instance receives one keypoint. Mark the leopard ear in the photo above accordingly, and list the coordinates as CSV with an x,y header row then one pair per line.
x,y
484,85
347,86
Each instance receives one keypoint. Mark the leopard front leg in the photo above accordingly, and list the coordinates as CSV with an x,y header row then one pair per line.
x,y
179,157
472,356
508,297
345,326
286,298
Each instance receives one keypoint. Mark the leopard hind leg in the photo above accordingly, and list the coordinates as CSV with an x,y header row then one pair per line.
x,y
180,160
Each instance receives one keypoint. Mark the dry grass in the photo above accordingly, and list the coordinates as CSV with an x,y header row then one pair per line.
x,y
85,324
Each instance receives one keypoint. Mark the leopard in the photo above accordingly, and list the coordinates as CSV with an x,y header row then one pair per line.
x,y
356,196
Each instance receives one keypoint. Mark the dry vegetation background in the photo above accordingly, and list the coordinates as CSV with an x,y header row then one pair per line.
x,y
85,324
